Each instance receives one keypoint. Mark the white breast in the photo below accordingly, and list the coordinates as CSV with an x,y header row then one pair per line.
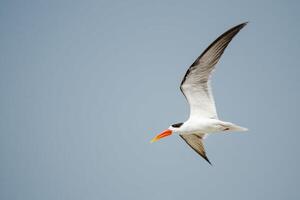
x,y
200,125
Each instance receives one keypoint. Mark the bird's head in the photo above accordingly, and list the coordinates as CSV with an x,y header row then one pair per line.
x,y
173,128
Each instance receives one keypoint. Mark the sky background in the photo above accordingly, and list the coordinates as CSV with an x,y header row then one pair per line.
x,y
85,85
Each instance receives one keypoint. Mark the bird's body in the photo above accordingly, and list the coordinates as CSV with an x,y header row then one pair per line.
x,y
196,88
205,125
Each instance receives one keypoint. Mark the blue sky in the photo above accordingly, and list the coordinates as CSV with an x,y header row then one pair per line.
x,y
85,85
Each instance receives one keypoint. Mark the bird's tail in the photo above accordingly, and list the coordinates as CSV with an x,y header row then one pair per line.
x,y
228,126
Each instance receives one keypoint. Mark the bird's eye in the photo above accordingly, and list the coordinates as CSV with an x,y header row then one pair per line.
x,y
177,125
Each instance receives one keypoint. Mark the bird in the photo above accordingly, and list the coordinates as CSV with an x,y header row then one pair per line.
x,y
196,88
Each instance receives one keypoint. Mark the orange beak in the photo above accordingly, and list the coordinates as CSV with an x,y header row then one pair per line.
x,y
161,135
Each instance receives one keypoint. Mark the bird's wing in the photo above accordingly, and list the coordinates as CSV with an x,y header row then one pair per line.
x,y
195,141
196,83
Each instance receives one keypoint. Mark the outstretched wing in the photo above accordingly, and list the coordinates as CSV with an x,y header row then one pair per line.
x,y
195,141
195,85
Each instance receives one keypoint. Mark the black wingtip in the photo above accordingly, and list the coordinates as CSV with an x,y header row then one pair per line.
x,y
205,157
245,23
240,26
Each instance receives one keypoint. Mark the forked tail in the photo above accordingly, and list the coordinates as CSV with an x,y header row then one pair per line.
x,y
228,126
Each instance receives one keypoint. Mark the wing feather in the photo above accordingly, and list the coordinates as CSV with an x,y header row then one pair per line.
x,y
195,141
196,83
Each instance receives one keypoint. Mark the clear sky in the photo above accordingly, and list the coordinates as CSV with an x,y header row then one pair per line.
x,y
85,85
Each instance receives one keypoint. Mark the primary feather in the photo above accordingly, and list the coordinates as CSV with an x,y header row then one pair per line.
x,y
196,83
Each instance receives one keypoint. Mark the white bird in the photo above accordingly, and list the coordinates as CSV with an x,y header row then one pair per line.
x,y
195,86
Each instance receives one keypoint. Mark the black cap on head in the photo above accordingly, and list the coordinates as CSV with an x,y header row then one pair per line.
x,y
177,125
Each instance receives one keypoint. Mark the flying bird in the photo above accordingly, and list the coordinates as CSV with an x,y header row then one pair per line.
x,y
195,86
